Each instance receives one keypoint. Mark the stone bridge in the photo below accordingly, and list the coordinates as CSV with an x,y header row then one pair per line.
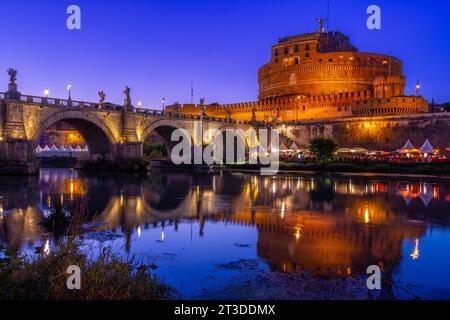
x,y
112,132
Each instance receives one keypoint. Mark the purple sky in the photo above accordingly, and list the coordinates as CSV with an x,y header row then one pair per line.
x,y
159,47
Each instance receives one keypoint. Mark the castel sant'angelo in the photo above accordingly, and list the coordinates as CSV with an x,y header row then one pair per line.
x,y
321,75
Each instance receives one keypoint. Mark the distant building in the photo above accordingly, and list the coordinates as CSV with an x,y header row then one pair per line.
x,y
321,75
61,134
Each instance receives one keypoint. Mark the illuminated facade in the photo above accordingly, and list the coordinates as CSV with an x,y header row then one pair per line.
x,y
321,75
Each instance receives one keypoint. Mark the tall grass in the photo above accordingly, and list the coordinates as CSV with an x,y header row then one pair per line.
x,y
106,277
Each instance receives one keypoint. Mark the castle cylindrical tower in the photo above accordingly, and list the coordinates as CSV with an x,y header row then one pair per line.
x,y
389,86
319,64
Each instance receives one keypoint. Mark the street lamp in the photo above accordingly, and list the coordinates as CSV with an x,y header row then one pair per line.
x,y
69,87
139,104
163,101
46,92
417,88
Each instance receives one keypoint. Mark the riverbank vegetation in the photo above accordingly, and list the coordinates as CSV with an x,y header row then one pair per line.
x,y
324,150
106,277
153,151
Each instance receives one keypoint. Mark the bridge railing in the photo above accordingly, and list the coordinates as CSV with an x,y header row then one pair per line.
x,y
66,103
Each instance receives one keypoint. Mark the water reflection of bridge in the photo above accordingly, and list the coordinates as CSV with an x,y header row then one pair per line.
x,y
324,224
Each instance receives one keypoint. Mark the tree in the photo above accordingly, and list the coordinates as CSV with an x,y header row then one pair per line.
x,y
323,149
446,106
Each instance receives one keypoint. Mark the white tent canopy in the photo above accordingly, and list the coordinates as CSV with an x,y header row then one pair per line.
x,y
407,147
343,150
85,149
283,148
427,147
46,148
352,150
294,147
78,148
54,148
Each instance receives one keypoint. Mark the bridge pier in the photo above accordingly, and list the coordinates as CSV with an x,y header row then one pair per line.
x,y
15,158
129,150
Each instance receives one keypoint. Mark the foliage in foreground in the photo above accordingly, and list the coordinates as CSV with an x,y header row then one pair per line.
x,y
107,277
154,151
324,150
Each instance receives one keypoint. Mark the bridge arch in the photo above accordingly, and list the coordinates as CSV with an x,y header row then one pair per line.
x,y
164,128
98,137
240,137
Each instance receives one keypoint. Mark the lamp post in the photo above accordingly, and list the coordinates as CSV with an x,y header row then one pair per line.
x,y
46,92
417,88
139,104
417,94
69,88
163,101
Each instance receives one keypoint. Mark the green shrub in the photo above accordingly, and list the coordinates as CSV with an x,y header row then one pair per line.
x,y
154,151
107,277
324,150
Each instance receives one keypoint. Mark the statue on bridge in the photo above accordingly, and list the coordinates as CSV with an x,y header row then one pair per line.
x,y
102,97
254,115
12,85
228,114
127,101
12,75
202,109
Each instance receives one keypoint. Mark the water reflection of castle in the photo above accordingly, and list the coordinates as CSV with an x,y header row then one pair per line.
x,y
330,225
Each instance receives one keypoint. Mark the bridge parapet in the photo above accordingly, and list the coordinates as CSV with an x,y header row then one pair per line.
x,y
111,107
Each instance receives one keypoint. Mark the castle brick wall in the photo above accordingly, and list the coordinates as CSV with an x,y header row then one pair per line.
x,y
377,133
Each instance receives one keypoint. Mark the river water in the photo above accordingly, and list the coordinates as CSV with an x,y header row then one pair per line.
x,y
196,228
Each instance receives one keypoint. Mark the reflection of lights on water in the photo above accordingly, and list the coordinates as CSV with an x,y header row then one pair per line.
x,y
366,215
47,247
298,233
71,190
436,192
415,255
283,204
349,271
139,232
121,199
162,235
274,187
